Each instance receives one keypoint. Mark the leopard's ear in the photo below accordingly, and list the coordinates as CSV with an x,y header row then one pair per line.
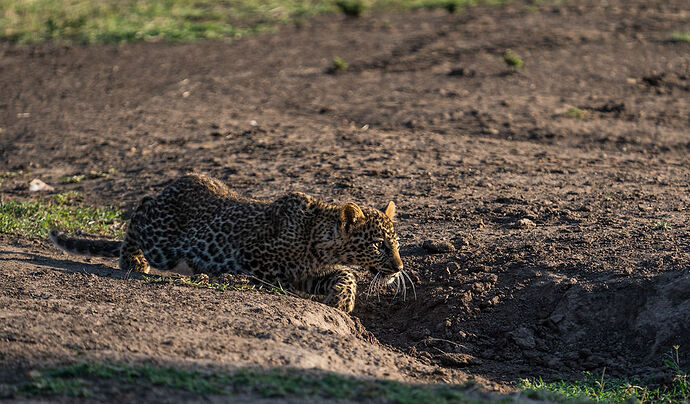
x,y
350,215
390,210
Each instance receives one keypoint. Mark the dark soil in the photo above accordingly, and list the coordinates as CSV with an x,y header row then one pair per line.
x,y
427,115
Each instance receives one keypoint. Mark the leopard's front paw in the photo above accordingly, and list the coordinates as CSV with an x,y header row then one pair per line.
x,y
344,301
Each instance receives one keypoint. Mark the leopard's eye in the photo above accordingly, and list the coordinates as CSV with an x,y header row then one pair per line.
x,y
378,242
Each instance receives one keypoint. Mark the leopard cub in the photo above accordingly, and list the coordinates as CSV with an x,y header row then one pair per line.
x,y
303,244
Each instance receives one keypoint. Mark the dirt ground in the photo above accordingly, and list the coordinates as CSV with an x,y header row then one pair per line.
x,y
427,115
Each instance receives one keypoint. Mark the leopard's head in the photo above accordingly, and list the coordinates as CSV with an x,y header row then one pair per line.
x,y
369,239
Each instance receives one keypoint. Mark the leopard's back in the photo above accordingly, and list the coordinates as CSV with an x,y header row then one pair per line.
x,y
197,219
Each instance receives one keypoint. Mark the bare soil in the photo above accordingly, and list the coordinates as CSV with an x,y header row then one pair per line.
x,y
427,115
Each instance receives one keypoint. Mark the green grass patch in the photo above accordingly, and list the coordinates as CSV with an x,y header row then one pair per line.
x,y
204,282
36,218
9,174
338,65
679,36
114,21
72,179
83,380
575,113
600,389
77,178
592,388
661,225
512,60
168,280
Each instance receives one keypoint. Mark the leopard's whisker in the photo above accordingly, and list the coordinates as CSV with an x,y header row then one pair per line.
x,y
397,286
378,288
372,284
402,278
411,283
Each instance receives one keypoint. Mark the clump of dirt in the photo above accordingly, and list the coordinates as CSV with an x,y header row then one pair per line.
x,y
564,239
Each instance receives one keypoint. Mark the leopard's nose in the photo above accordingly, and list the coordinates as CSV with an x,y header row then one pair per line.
x,y
397,262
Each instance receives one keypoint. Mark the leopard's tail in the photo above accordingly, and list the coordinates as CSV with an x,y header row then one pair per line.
x,y
83,246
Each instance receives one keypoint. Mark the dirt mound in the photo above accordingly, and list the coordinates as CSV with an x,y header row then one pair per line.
x,y
561,187
104,316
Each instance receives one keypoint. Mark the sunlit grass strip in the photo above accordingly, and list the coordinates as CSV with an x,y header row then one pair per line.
x,y
82,380
115,21
600,389
36,218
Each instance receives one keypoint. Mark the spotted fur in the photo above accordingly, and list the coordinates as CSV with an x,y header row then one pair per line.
x,y
296,241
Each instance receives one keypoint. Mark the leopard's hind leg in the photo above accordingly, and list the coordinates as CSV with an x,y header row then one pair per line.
x,y
337,287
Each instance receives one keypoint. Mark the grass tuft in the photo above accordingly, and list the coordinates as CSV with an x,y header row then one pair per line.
x,y
679,36
204,282
36,218
661,225
72,179
575,113
512,59
338,65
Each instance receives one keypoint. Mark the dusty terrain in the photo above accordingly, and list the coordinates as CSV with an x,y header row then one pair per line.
x,y
427,115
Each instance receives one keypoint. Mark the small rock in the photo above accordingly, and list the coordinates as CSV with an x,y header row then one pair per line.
x,y
556,318
526,224
462,72
420,334
458,359
37,185
438,247
453,267
645,208
465,241
554,363
524,338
